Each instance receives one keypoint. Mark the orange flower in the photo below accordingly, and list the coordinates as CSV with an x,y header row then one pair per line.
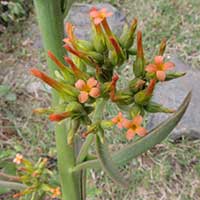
x,y
89,88
55,192
119,119
159,67
134,127
99,15
71,39
18,159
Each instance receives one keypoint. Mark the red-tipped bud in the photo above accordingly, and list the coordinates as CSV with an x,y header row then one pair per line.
x,y
59,117
115,78
151,87
71,63
116,45
77,72
55,60
140,52
138,65
162,46
73,51
51,82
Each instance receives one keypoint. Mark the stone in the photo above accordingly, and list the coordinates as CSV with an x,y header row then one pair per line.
x,y
171,94
79,16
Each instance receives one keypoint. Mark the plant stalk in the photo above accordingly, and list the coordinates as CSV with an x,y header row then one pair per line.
x,y
50,18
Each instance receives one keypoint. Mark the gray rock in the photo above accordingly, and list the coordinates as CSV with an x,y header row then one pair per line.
x,y
172,93
79,16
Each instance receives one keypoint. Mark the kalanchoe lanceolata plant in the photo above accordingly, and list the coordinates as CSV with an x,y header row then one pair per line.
x,y
86,82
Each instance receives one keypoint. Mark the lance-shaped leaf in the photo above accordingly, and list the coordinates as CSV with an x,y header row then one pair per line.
x,y
154,137
107,163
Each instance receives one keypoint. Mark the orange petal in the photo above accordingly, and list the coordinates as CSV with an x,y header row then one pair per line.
x,y
108,14
66,40
83,97
92,82
98,20
115,120
80,84
130,134
137,120
103,10
126,123
161,75
150,68
94,92
158,60
94,12
120,125
141,131
168,65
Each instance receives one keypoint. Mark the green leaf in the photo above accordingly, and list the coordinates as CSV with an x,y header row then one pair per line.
x,y
154,137
4,90
107,163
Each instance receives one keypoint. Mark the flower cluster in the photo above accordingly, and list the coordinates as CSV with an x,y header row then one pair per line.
x,y
35,176
89,74
133,126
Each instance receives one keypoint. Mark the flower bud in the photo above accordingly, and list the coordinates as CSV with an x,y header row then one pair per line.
x,y
84,45
77,72
138,65
95,56
43,110
173,75
66,90
162,47
123,98
118,49
154,107
127,37
136,84
66,72
136,110
143,97
98,38
105,124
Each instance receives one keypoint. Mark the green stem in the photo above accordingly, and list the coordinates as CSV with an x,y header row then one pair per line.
x,y
50,18
97,115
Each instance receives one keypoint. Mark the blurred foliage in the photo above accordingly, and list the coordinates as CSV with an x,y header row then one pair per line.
x,y
14,11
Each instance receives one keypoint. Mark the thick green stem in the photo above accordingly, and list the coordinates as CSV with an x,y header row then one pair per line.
x,y
50,18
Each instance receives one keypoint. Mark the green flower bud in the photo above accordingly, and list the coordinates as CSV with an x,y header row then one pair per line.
x,y
173,75
138,65
154,107
162,47
136,110
136,84
123,97
105,124
127,37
